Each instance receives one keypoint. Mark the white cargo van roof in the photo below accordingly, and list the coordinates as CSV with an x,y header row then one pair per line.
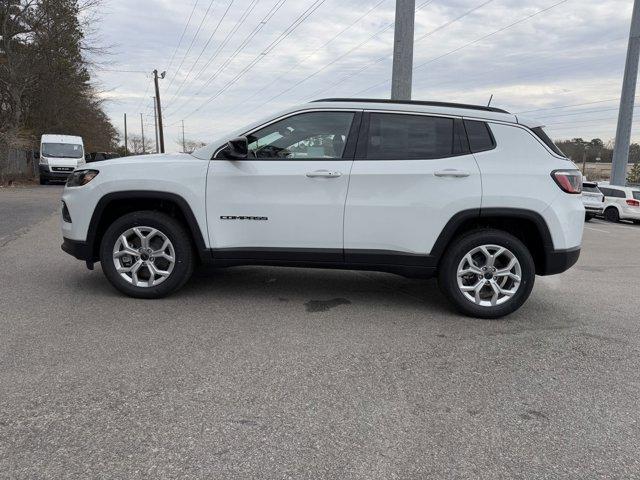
x,y
54,138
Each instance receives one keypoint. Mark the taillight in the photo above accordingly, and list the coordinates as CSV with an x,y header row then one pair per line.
x,y
570,181
633,203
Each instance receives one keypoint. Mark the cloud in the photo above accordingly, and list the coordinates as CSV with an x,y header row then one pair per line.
x,y
572,54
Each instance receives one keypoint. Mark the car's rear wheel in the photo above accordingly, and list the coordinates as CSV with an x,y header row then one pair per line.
x,y
588,217
611,214
44,181
487,273
146,254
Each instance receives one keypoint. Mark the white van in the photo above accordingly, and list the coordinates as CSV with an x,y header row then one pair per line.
x,y
59,156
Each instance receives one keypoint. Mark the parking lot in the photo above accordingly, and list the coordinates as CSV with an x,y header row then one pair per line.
x,y
258,372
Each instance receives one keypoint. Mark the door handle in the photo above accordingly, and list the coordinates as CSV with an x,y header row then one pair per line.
x,y
451,172
324,174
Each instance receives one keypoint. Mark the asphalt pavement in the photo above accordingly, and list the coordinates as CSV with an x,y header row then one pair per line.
x,y
267,373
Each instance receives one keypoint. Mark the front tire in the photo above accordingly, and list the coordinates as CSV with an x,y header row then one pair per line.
x,y
146,254
611,215
487,274
588,217
44,181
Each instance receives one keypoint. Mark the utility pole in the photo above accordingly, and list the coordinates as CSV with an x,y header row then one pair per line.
x,y
125,135
142,130
155,121
625,115
155,79
403,50
184,150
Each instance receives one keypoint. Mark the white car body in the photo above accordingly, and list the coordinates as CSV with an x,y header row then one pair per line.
x,y
60,155
625,201
592,199
394,215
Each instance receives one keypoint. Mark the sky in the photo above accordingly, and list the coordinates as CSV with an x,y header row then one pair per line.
x,y
230,62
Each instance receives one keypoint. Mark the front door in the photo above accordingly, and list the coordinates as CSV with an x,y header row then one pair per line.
x,y
286,201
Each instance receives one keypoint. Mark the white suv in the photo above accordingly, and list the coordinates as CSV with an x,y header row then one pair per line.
x,y
475,195
620,203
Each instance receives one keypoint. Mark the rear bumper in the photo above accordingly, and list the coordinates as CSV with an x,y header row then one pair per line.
x,y
558,261
593,209
75,248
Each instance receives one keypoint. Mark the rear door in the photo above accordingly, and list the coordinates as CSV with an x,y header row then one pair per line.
x,y
285,202
411,175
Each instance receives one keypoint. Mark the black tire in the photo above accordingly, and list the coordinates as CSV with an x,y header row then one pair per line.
x,y
44,181
611,215
588,217
174,231
447,275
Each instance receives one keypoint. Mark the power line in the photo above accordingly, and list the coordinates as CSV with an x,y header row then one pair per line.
x,y
568,106
272,11
484,37
290,29
245,14
175,50
321,47
184,57
337,59
215,30
384,57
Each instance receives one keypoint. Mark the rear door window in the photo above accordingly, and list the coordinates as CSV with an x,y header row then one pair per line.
x,y
409,137
480,137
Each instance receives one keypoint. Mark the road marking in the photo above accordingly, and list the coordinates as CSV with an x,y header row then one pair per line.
x,y
596,229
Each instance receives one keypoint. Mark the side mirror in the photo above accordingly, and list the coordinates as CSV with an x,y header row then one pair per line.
x,y
238,148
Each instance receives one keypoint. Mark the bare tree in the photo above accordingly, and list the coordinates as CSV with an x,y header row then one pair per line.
x,y
189,144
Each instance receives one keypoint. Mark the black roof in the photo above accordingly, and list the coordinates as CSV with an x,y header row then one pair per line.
x,y
414,102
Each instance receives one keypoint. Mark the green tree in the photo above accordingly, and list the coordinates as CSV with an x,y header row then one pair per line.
x,y
634,173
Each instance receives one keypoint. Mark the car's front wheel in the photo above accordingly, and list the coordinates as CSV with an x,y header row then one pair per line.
x,y
146,254
487,273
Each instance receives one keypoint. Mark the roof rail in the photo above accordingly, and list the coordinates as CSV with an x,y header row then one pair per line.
x,y
414,102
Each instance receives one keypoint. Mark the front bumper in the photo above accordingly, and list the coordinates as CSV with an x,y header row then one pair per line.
x,y
75,248
46,172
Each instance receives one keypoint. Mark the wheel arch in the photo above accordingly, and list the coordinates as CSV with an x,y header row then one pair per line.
x,y
116,204
526,225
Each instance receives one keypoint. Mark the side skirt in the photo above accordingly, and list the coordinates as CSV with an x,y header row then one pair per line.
x,y
408,265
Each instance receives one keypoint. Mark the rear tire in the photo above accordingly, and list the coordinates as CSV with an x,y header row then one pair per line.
x,y
484,288
44,181
146,254
611,215
588,217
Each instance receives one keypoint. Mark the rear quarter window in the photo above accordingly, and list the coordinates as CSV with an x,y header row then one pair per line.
x,y
542,135
480,136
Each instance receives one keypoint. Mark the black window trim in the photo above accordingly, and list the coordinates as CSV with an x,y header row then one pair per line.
x,y
487,126
363,136
349,148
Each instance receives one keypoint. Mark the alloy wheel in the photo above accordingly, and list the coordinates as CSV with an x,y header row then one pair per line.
x,y
144,256
489,275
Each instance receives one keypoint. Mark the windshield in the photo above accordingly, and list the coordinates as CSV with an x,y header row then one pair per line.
x,y
62,150
636,194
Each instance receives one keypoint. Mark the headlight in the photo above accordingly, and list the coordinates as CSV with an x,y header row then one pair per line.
x,y
44,161
81,177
